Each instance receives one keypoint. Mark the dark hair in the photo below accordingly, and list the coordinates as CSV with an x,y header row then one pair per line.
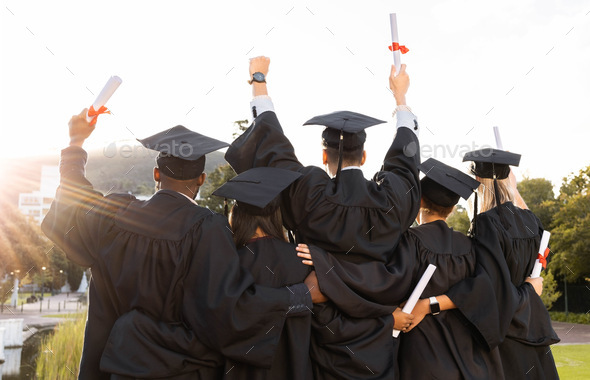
x,y
245,219
441,211
349,157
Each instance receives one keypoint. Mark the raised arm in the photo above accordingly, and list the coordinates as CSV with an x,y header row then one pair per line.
x,y
73,219
399,173
263,143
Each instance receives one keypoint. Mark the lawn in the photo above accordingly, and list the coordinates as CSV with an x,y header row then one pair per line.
x,y
573,361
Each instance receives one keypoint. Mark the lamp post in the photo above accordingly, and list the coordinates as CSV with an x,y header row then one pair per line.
x,y
42,281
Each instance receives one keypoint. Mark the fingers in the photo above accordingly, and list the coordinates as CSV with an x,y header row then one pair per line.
x,y
304,255
302,248
402,69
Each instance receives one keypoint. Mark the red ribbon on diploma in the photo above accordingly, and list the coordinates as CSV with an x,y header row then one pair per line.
x,y
543,258
92,112
395,46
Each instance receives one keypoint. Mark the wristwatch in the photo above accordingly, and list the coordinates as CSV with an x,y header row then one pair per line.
x,y
257,77
434,306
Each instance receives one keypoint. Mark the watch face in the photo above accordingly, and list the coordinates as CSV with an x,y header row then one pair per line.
x,y
258,77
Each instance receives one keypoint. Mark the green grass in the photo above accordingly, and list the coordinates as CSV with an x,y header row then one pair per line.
x,y
60,353
572,361
65,315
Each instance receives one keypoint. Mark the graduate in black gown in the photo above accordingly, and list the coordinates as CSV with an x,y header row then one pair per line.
x,y
165,260
355,219
260,239
507,238
441,343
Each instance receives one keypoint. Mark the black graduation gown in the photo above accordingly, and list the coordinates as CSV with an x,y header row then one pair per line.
x,y
443,346
172,260
275,263
357,221
515,319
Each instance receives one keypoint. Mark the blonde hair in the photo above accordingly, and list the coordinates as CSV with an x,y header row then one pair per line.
x,y
485,193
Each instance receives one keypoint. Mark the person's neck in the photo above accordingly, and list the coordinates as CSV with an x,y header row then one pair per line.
x,y
259,233
426,217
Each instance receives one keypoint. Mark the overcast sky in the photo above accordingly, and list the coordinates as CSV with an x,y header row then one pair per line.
x,y
520,65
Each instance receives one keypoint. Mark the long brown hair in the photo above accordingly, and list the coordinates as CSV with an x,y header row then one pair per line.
x,y
485,192
246,219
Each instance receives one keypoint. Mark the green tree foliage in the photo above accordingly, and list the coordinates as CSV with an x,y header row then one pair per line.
x,y
22,244
74,275
219,176
570,239
550,293
459,220
539,197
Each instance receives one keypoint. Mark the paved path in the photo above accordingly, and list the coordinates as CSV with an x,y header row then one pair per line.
x,y
33,313
572,333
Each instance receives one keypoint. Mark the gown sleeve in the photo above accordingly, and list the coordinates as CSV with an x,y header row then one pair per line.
x,y
79,213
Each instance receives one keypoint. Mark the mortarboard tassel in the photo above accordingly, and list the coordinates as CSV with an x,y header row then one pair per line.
x,y
472,232
225,208
340,149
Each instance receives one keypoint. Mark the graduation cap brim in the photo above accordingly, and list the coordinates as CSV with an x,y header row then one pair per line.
x,y
257,187
490,163
449,178
181,142
346,121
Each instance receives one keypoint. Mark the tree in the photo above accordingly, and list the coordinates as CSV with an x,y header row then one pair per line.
x,y
550,293
215,179
570,237
459,220
539,197
218,177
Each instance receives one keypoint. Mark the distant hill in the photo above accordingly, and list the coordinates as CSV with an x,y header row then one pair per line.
x,y
114,170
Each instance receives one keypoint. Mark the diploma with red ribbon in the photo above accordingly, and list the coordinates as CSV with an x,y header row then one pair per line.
x,y
541,261
395,47
98,107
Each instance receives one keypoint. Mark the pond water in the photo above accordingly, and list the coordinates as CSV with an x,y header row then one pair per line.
x,y
15,369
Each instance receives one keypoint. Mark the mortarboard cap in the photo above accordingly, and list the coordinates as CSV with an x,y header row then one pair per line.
x,y
444,184
257,187
489,161
352,125
182,151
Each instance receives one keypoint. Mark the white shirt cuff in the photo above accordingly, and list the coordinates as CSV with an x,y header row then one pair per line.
x,y
261,104
408,120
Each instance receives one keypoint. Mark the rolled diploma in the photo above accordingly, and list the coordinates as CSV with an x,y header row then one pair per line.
x,y
105,94
498,139
542,247
413,300
395,38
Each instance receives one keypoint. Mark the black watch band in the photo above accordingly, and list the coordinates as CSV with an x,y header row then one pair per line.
x,y
434,306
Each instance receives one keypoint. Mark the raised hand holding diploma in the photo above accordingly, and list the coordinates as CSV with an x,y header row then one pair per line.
x,y
98,107
395,47
409,306
541,261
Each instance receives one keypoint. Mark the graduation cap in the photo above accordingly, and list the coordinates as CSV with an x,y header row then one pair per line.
x,y
443,184
492,163
182,151
345,130
257,188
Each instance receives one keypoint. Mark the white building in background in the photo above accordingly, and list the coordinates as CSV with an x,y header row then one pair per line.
x,y
36,204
